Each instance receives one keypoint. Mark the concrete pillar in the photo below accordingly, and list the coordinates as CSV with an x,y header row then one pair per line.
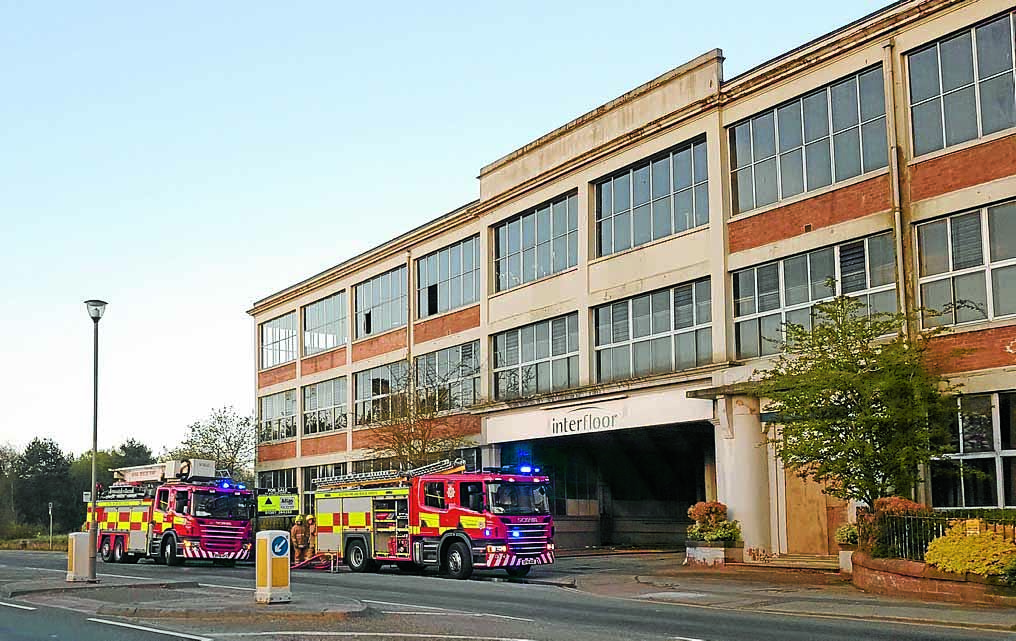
x,y
742,471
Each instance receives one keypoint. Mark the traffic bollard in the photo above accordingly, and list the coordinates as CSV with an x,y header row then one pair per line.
x,y
272,550
77,557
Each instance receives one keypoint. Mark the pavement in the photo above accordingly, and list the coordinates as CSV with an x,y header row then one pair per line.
x,y
590,597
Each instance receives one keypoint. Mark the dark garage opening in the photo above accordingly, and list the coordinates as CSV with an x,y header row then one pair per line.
x,y
629,487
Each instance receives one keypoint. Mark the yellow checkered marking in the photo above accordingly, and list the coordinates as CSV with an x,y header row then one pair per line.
x,y
327,520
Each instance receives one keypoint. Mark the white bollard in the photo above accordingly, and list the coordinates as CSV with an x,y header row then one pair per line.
x,y
272,575
77,556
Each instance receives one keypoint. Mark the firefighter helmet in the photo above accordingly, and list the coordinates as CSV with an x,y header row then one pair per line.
x,y
299,518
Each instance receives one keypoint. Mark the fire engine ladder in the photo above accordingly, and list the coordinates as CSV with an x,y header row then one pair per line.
x,y
362,479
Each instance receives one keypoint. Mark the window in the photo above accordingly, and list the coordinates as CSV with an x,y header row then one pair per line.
x,y
654,333
380,392
537,243
162,500
372,465
381,303
277,479
827,136
471,496
324,406
967,266
449,378
277,416
434,495
961,87
537,358
768,296
324,324
314,472
658,197
981,471
181,498
278,341
448,278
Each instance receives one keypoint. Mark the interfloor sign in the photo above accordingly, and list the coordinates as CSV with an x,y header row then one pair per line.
x,y
638,410
279,504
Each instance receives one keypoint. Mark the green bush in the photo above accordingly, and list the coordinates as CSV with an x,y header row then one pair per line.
x,y
1009,572
729,531
986,554
846,534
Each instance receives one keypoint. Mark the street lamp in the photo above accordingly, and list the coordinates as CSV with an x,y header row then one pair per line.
x,y
95,310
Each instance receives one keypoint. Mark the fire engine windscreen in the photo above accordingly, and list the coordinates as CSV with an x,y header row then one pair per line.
x,y
517,498
222,505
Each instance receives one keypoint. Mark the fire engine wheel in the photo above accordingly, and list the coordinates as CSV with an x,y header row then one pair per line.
x,y
118,551
169,555
106,550
518,573
458,562
357,557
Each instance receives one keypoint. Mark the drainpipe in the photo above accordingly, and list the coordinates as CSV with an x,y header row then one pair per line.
x,y
896,181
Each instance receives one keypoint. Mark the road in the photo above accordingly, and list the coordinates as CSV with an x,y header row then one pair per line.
x,y
430,607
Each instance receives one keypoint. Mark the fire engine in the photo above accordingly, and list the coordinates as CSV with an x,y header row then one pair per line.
x,y
171,512
439,516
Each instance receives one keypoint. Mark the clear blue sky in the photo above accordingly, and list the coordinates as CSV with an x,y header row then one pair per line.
x,y
182,160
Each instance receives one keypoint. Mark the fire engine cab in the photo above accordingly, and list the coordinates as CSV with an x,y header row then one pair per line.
x,y
438,516
171,512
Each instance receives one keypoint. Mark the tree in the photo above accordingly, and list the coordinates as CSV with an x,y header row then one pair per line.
x,y
42,473
860,408
8,475
224,437
417,422
128,453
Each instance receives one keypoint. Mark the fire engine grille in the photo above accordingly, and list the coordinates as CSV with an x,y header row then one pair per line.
x,y
221,538
531,540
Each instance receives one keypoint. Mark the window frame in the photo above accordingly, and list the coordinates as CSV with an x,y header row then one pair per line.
x,y
433,260
427,389
692,146
287,326
830,136
280,425
340,322
364,419
571,352
783,308
337,412
278,478
976,84
501,264
389,302
671,333
987,266
998,453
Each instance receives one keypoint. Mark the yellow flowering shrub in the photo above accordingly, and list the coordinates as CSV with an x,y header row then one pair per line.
x,y
985,554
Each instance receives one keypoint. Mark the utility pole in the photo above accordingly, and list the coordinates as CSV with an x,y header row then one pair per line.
x,y
51,526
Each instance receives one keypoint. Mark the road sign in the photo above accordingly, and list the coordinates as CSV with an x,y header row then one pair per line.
x,y
271,570
280,546
51,508
86,497
279,504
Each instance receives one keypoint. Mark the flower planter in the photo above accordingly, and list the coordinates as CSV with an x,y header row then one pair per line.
x,y
846,556
713,554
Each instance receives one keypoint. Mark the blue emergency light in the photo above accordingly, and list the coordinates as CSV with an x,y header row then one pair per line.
x,y
516,534
525,469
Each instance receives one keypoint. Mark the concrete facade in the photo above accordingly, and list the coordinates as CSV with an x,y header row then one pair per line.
x,y
690,104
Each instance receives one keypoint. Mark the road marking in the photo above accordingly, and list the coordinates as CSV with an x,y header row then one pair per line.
x,y
226,587
684,639
124,576
362,635
179,635
404,605
463,614
14,605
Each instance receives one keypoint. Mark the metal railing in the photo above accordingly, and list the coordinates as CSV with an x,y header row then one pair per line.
x,y
907,537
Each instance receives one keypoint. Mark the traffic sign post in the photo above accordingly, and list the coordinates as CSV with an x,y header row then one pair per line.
x,y
51,526
272,567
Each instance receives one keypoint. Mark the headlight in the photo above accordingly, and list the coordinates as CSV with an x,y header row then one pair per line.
x,y
550,546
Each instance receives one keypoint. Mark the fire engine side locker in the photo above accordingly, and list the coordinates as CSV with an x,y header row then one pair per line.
x,y
345,515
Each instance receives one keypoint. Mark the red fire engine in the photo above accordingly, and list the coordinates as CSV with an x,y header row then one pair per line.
x,y
171,512
439,516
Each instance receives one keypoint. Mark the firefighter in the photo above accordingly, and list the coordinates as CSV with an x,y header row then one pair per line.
x,y
299,538
311,536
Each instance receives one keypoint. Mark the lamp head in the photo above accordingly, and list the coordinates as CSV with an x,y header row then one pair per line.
x,y
95,309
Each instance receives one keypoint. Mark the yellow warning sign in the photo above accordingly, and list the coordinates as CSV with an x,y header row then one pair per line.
x,y
279,504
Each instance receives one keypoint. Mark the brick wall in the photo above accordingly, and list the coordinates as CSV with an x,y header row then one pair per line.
x,y
899,577
456,425
447,324
969,351
278,374
963,168
855,201
315,445
321,362
382,344
276,451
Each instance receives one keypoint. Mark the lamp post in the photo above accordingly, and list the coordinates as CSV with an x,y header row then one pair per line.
x,y
95,311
